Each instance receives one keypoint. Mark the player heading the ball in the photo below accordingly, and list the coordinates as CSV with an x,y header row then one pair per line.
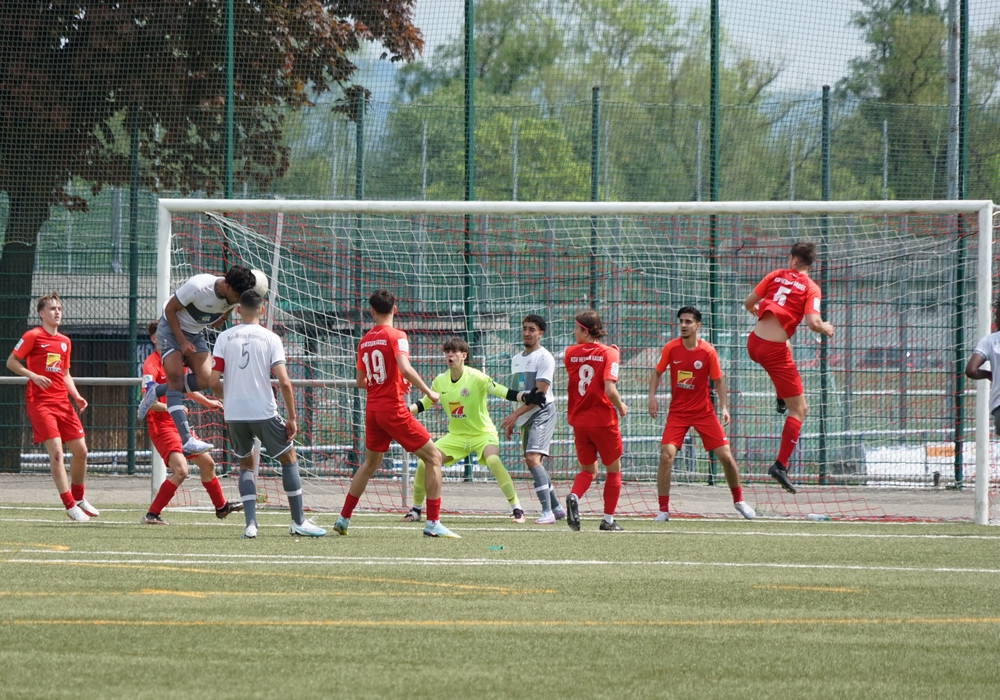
x,y
780,302
203,301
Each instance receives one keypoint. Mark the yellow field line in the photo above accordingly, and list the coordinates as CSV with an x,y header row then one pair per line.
x,y
502,590
507,623
242,594
821,589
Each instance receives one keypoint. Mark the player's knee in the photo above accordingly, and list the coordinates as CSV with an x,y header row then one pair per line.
x,y
178,466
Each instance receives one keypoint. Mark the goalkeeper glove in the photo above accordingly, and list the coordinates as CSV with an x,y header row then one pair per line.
x,y
534,397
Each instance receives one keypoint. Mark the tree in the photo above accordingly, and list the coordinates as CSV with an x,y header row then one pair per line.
x,y
901,82
70,70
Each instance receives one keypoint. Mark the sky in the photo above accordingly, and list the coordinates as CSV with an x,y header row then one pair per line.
x,y
812,40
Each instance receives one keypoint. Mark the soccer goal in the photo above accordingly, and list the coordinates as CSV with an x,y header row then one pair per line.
x,y
893,431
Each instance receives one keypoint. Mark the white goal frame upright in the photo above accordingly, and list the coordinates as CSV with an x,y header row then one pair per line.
x,y
982,209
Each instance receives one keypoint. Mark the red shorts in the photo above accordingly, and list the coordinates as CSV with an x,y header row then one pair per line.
x,y
381,427
50,421
165,442
605,441
776,359
707,425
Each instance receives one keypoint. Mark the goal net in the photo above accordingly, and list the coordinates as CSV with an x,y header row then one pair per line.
x,y
890,432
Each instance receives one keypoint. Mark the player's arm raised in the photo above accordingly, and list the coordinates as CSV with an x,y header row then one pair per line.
x,y
406,369
816,324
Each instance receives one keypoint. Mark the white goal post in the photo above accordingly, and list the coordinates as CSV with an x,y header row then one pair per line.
x,y
638,262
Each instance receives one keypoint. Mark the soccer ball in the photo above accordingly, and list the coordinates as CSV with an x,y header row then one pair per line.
x,y
261,285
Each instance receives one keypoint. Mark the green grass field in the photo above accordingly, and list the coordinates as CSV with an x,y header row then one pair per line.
x,y
685,609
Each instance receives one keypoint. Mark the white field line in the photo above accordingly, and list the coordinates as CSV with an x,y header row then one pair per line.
x,y
48,557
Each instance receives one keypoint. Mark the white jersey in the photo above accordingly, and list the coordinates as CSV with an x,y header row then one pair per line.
x,y
201,305
248,352
989,347
526,368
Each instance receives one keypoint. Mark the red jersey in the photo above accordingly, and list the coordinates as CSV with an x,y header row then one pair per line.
x,y
377,351
157,422
789,295
46,354
690,371
589,365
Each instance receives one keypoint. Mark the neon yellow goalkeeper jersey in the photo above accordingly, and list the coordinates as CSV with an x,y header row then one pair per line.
x,y
465,401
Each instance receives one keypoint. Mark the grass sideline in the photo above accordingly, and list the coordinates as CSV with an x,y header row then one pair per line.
x,y
685,609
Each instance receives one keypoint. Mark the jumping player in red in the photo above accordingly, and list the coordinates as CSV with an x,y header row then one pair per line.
x,y
167,441
383,369
594,408
692,362
42,355
780,301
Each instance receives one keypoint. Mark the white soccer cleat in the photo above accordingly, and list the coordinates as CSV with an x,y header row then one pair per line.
x,y
661,517
745,510
76,513
306,529
546,518
148,399
250,532
194,446
439,530
87,508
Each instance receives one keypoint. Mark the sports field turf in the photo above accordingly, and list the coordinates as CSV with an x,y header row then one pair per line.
x,y
685,609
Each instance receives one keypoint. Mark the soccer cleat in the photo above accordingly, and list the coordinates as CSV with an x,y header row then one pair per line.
x,y
250,532
780,474
153,519
340,527
610,527
148,399
439,530
306,529
87,508
412,515
194,446
547,518
230,507
745,510
573,512
779,405
661,517
560,513
517,516
76,513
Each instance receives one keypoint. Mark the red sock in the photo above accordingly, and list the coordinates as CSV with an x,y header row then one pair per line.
x,y
789,438
77,491
163,496
664,504
612,490
67,499
737,493
433,508
214,489
349,503
581,483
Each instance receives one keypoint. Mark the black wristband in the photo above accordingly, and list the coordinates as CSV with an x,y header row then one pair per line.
x,y
512,395
420,406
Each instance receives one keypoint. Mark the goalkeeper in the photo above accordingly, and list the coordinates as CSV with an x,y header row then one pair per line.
x,y
463,393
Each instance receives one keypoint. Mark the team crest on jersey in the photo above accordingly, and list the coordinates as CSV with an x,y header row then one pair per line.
x,y
456,410
63,346
685,380
697,364
464,391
